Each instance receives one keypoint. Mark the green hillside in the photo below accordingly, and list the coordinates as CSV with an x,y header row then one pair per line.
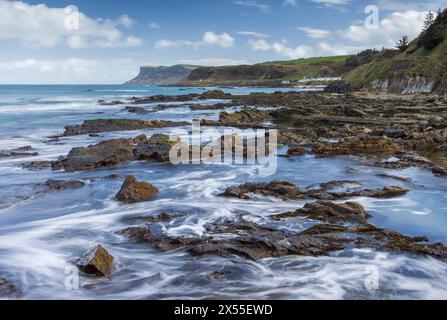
x,y
422,67
271,72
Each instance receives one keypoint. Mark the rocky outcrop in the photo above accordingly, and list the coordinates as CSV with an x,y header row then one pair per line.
x,y
110,125
246,116
106,153
252,241
330,212
133,191
157,148
96,261
18,153
286,190
365,145
281,189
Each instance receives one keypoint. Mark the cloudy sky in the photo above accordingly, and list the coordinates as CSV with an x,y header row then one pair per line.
x,y
105,41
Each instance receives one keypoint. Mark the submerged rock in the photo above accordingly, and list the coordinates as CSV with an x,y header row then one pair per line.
x,y
36,165
96,261
137,110
61,185
330,212
133,191
109,125
17,154
8,290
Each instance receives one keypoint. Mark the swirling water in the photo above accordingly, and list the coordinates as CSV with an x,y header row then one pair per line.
x,y
43,233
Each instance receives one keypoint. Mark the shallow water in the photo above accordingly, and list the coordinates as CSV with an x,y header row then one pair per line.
x,y
41,234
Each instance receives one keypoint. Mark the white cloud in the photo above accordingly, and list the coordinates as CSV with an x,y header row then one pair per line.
x,y
223,40
332,2
252,3
165,43
292,3
391,29
315,33
67,71
300,51
154,25
397,5
216,62
39,26
126,21
253,34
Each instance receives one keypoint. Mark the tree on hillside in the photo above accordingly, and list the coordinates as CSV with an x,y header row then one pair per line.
x,y
438,12
429,20
402,44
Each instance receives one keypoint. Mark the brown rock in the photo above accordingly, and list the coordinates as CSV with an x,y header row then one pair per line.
x,y
281,189
96,261
330,212
357,146
133,191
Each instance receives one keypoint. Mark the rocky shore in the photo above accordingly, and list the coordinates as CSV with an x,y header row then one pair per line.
x,y
384,131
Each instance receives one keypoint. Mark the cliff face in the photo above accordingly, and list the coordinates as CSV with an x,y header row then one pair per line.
x,y
162,75
422,68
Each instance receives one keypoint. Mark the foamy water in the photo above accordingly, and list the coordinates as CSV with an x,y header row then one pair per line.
x,y
41,234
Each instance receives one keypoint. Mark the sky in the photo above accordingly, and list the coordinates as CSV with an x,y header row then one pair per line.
x,y
106,41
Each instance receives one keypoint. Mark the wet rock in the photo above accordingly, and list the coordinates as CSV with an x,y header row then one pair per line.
x,y
286,190
36,165
106,153
137,110
61,185
330,212
395,133
109,125
281,189
110,103
252,241
357,146
8,290
96,261
133,191
246,116
161,217
296,151
157,148
386,192
17,154
441,171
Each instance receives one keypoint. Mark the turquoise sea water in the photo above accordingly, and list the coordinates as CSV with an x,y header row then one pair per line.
x,y
42,233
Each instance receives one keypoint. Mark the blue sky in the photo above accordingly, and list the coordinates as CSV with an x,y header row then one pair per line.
x,y
105,41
